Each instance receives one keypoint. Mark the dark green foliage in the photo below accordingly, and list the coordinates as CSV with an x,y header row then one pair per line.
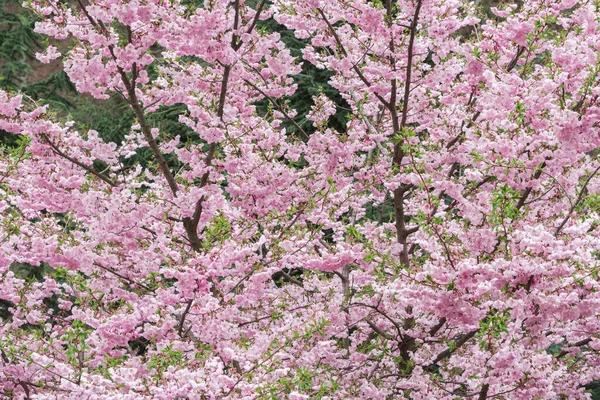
x,y
382,212
287,275
32,273
167,120
139,346
18,44
594,389
311,82
4,306
54,91
111,118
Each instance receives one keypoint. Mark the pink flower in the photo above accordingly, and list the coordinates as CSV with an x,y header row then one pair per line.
x,y
49,55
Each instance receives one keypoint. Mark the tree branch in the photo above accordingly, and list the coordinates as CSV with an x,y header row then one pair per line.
x,y
92,171
361,76
579,198
450,350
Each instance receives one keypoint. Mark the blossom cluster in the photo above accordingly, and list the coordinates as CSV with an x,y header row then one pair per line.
x,y
442,244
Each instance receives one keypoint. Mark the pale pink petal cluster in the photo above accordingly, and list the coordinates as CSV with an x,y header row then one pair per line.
x,y
443,242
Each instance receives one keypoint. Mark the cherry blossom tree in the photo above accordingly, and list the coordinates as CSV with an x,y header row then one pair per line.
x,y
442,244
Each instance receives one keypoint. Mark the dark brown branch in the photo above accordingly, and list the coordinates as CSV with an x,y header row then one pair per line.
x,y
511,65
91,170
579,198
527,191
236,22
394,88
136,106
191,224
401,232
123,276
376,308
462,127
450,350
361,76
291,279
236,41
223,93
409,63
80,358
183,316
484,392
445,245
378,330
454,203
513,62
435,329
522,201
145,127
576,344
88,16
256,16
276,104
23,384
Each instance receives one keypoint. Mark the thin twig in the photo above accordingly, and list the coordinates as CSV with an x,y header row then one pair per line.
x,y
579,198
